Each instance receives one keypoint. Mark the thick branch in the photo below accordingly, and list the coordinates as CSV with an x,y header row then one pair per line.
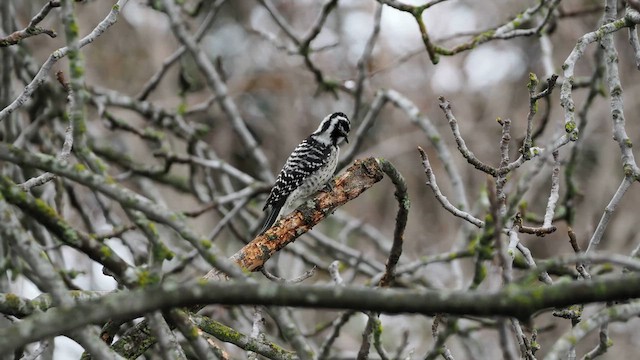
x,y
519,302
129,199
49,218
358,178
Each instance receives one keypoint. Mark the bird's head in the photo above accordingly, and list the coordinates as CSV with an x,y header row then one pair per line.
x,y
333,129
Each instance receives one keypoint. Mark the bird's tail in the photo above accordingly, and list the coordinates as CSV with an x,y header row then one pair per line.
x,y
271,218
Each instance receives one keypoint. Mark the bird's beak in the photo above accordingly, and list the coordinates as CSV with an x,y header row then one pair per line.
x,y
344,134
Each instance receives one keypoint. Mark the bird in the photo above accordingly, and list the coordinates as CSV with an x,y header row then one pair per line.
x,y
308,169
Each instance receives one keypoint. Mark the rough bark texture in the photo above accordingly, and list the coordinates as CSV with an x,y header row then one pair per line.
x,y
356,179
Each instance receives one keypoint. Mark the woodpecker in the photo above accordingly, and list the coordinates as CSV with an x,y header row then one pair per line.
x,y
308,169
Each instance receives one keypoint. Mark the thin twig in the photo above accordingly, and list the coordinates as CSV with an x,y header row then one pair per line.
x,y
171,59
616,313
439,347
445,105
304,276
554,193
431,182
437,141
40,77
334,271
257,330
215,83
32,29
401,220
338,323
363,62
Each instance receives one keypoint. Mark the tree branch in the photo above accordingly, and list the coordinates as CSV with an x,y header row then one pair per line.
x,y
358,178
520,302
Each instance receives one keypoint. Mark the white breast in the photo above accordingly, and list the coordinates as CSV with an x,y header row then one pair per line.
x,y
312,184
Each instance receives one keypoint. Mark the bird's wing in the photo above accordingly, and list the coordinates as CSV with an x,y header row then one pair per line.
x,y
303,161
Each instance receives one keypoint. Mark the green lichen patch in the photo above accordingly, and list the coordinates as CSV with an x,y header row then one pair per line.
x,y
206,243
146,278
106,251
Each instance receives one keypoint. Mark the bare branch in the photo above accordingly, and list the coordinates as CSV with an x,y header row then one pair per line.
x,y
123,195
462,146
431,182
40,78
32,29
503,302
216,84
357,179
612,314
401,221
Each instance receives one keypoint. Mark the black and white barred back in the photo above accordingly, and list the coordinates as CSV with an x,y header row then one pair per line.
x,y
308,169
